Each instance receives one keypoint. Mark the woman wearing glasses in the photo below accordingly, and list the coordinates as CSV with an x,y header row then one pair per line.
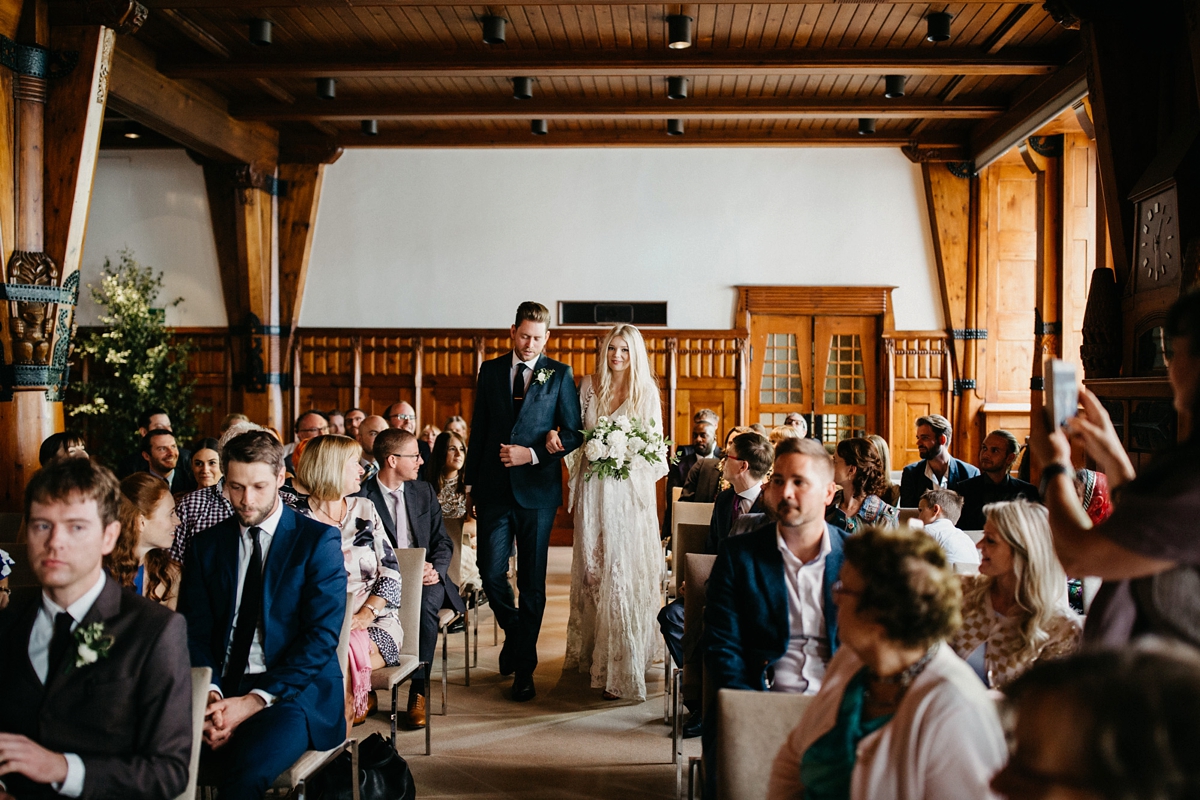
x,y
445,473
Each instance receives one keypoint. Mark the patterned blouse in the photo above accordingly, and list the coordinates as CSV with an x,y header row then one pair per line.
x,y
452,501
873,511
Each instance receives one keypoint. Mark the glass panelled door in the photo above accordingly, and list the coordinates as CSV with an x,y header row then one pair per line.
x,y
781,368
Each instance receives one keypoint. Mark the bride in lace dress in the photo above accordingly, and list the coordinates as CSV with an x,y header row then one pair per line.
x,y
611,633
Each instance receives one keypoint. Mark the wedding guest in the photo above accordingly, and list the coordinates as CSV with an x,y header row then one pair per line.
x,y
890,495
162,458
206,463
1092,489
67,444
205,507
796,421
703,446
937,468
353,419
97,685
458,425
858,470
337,422
329,469
781,432
429,435
231,420
759,428
309,425
368,429
403,416
899,715
151,419
141,558
1106,725
277,685
939,511
445,473
706,478
1015,610
994,483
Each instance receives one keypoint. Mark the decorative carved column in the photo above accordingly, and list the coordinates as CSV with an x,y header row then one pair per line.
x,y
889,389
672,388
418,356
743,379
356,343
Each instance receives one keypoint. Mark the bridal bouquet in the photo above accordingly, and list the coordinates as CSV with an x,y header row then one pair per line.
x,y
616,443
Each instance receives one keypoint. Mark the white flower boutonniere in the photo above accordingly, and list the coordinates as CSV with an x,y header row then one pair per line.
x,y
543,375
91,645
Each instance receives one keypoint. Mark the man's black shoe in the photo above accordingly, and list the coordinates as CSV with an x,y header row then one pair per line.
x,y
523,689
693,726
458,626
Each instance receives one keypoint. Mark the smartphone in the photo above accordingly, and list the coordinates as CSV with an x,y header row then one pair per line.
x,y
1061,392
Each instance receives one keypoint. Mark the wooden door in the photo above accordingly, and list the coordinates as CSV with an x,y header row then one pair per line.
x,y
781,367
844,363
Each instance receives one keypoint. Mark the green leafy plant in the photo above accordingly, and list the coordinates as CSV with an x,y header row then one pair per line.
x,y
134,363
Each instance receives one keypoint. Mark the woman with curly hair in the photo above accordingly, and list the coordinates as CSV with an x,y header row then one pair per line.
x,y
141,560
1015,610
899,715
858,469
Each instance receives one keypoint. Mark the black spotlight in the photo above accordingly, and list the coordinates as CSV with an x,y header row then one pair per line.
x,y
679,31
370,127
677,87
893,86
674,127
538,127
493,29
260,31
326,88
866,126
523,88
938,26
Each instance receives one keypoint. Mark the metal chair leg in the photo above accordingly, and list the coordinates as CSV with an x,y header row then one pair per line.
x,y
676,721
475,632
467,645
695,765
445,669
354,787
428,721
395,689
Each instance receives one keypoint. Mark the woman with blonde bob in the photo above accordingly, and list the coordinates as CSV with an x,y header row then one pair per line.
x,y
329,469
611,633
1015,610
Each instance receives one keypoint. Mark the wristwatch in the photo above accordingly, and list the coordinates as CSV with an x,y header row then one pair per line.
x,y
1051,471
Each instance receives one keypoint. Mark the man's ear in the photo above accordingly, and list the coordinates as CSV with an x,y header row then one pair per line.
x,y
112,532
146,456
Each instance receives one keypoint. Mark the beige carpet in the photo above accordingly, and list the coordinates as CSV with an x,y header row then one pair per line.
x,y
567,743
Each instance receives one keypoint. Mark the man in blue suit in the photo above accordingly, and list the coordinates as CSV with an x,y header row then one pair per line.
x,y
937,469
770,619
515,485
264,595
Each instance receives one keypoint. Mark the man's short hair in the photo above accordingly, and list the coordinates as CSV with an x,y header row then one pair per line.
x,y
533,312
350,411
939,424
76,479
156,432
1008,436
63,440
706,415
389,442
756,451
948,500
144,417
252,447
333,413
312,412
806,447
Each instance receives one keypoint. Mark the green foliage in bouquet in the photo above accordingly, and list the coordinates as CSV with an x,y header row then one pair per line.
x,y
134,363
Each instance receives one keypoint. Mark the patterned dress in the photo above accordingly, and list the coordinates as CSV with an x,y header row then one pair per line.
x,y
873,511
464,567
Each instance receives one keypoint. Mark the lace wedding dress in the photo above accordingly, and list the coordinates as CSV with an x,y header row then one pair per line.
x,y
615,572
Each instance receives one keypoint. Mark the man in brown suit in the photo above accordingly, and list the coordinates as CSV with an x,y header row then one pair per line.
x,y
97,680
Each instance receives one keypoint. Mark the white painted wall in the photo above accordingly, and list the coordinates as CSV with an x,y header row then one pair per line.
x,y
153,202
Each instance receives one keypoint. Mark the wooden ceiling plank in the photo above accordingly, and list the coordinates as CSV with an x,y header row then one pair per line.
x,y
722,25
739,25
194,31
755,23
1012,25
604,26
958,9
622,29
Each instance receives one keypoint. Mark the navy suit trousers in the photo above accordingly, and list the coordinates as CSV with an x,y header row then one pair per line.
x,y
259,751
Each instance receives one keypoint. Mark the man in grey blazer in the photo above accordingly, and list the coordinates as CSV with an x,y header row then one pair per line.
x,y
413,518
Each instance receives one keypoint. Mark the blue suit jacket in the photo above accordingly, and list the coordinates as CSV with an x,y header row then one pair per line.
x,y
304,602
746,615
552,405
913,482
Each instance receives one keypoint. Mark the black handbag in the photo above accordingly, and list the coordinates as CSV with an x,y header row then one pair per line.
x,y
382,774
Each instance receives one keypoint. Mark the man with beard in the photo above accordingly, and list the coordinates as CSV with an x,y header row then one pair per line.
x,y
161,456
264,595
937,469
704,445
996,456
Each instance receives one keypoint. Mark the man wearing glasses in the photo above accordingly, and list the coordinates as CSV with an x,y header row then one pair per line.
x,y
404,417
309,425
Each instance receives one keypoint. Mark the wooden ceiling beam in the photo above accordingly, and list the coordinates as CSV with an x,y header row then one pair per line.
x,y
247,4
618,63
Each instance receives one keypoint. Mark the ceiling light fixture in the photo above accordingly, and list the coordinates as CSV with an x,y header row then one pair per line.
x,y
938,26
132,135
522,88
679,31
493,29
260,32
674,127
538,127
370,127
326,88
677,87
866,126
894,86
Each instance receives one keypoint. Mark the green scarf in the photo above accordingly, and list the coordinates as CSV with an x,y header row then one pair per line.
x,y
828,763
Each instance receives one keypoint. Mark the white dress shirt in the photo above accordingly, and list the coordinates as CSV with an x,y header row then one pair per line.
x,y
39,657
802,667
528,376
399,511
957,546
940,483
257,663
748,498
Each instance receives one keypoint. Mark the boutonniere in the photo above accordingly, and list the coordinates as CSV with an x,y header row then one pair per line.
x,y
543,375
91,645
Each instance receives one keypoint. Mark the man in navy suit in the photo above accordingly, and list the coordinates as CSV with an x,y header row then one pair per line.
x,y
515,485
412,517
937,469
264,594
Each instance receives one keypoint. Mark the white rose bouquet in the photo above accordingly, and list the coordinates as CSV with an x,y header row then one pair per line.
x,y
616,444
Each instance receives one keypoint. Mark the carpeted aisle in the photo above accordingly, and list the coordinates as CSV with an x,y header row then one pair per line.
x,y
568,743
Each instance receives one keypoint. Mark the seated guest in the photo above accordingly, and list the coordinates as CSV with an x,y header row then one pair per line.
x,y
309,425
231,420
759,428
97,685
1015,610
152,419
67,444
1092,488
994,484
162,459
890,495
277,685
939,511
445,472
404,417
781,432
337,422
329,468
205,507
429,435
858,472
206,463
353,419
368,429
141,558
412,517
796,421
706,477
457,425
1107,725
937,469
899,715
704,445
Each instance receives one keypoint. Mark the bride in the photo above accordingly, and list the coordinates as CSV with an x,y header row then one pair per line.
x,y
615,570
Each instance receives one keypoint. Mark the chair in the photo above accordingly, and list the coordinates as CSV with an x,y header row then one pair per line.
x,y
699,567
675,492
411,563
751,727
201,680
692,515
907,514
446,618
975,535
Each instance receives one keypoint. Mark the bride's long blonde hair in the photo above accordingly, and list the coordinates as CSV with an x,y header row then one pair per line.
x,y
643,390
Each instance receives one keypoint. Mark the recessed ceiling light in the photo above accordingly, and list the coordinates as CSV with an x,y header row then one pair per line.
x,y
132,135
679,31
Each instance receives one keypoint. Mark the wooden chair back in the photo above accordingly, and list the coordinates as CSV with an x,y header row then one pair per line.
x,y
699,567
201,680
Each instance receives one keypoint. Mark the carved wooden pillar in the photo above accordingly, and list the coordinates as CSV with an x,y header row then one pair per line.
x,y
418,356
672,388
356,343
480,352
889,390
743,379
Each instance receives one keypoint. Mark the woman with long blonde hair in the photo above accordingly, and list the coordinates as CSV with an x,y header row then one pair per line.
x,y
1015,610
611,633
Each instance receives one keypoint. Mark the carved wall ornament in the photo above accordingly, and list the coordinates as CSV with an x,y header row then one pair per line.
x,y
247,177
31,322
123,16
962,169
36,62
1047,146
106,57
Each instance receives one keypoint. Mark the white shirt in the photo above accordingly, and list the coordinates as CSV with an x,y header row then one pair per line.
x,y
257,663
748,497
39,657
399,511
802,667
940,483
528,376
957,546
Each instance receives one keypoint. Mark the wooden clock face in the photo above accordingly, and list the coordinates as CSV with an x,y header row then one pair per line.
x,y
1158,257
